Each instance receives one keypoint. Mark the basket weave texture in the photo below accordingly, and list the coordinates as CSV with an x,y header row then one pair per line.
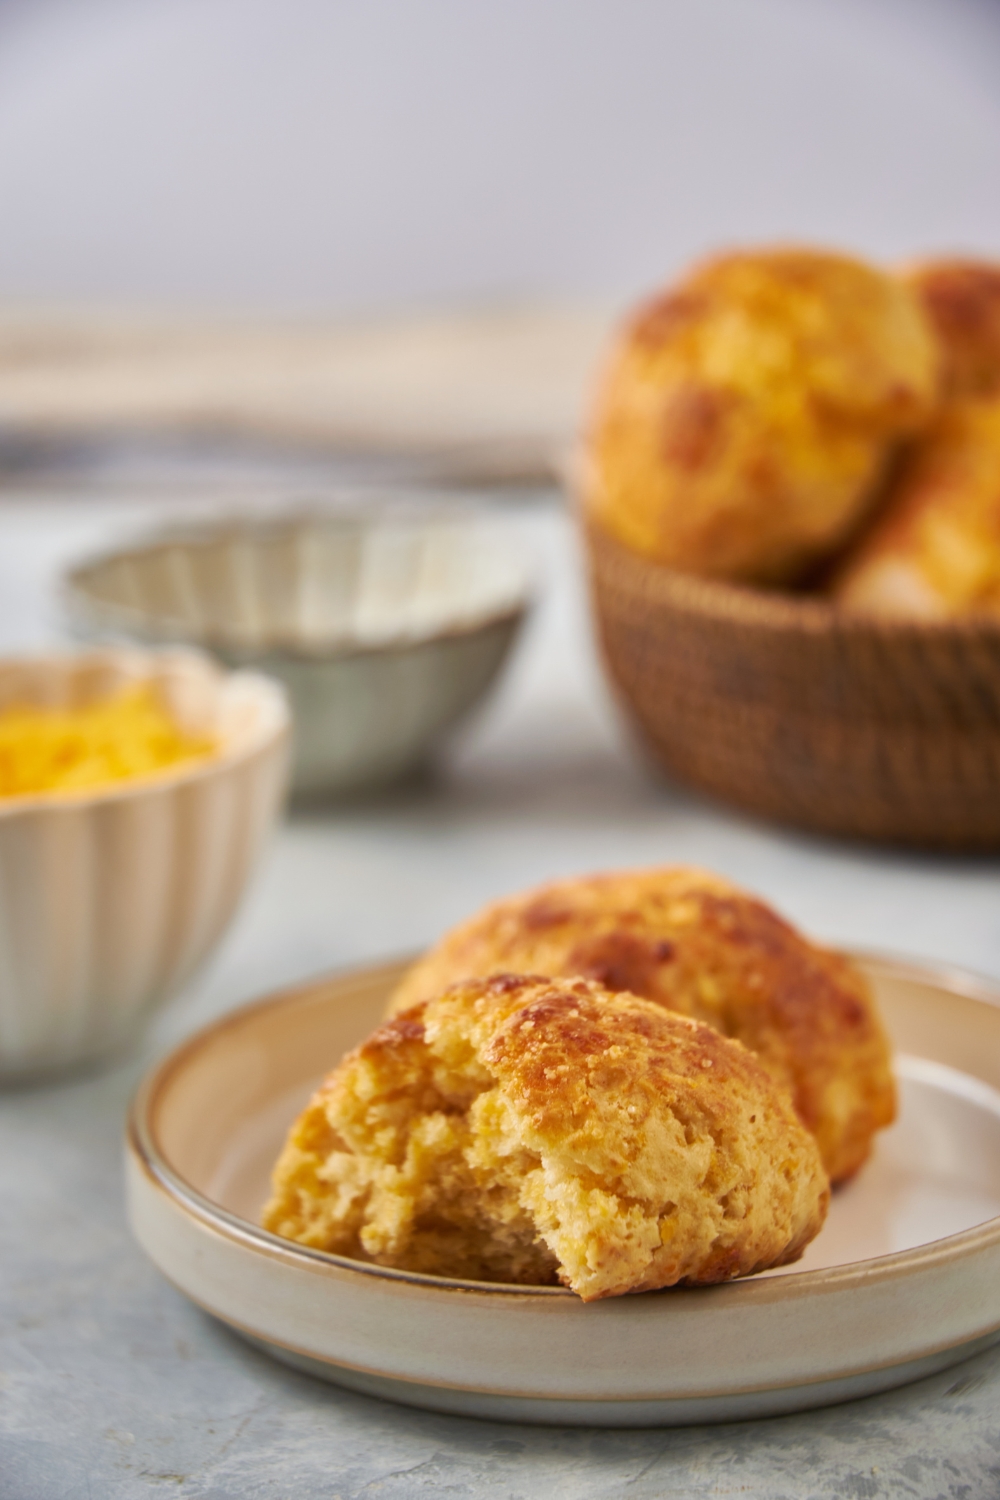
x,y
805,714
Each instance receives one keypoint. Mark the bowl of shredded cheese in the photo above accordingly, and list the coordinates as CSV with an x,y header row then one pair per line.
x,y
136,791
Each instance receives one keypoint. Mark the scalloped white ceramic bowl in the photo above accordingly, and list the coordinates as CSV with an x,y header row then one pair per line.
x,y
110,899
386,625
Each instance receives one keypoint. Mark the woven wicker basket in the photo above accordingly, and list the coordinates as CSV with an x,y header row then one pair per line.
x,y
802,713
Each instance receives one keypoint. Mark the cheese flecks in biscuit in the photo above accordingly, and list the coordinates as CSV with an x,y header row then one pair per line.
x,y
747,416
520,1129
934,551
694,943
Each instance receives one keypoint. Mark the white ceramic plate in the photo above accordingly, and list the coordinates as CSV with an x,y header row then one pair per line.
x,y
903,1280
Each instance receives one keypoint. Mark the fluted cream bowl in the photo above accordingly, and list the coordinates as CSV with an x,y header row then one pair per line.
x,y
111,898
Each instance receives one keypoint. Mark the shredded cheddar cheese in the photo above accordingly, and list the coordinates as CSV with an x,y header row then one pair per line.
x,y
127,737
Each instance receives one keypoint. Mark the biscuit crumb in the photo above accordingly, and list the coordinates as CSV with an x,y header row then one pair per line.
x,y
458,1142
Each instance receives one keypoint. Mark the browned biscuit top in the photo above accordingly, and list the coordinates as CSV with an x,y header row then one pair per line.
x,y
696,944
746,416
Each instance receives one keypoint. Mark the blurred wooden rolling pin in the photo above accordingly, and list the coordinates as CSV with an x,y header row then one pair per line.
x,y
494,394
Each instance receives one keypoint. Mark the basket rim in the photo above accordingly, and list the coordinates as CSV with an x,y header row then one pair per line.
x,y
753,607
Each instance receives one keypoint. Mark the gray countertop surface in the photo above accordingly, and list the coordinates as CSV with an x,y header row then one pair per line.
x,y
112,1385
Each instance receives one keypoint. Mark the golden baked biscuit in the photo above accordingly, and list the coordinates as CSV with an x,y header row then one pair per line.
x,y
747,415
934,551
692,942
527,1130
962,300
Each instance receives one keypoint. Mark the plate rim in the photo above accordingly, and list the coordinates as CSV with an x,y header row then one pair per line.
x,y
602,1398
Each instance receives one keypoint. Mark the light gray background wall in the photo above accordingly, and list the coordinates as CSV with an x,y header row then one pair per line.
x,y
345,156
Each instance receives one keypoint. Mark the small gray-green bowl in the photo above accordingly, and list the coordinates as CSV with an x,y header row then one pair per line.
x,y
386,624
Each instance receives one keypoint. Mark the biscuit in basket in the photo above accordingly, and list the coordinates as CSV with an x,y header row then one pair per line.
x,y
698,945
520,1129
934,552
962,300
748,414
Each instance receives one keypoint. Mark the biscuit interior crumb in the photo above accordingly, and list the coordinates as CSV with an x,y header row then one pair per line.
x,y
518,1130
